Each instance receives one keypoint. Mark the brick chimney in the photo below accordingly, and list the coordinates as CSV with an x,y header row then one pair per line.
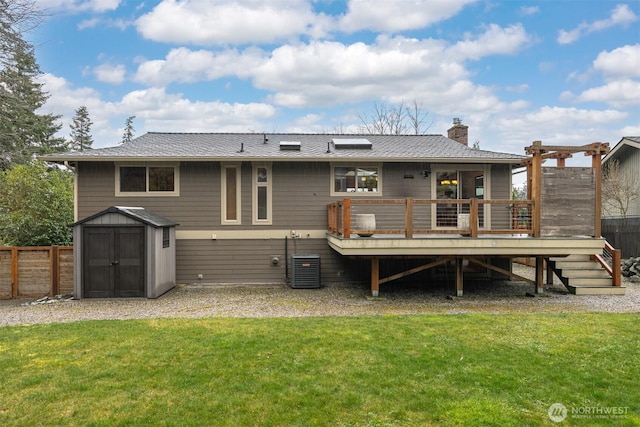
x,y
459,132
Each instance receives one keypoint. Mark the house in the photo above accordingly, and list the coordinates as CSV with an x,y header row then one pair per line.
x,y
247,203
626,153
621,200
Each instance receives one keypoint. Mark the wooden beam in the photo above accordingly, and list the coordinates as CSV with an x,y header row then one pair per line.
x,y
14,273
408,219
415,270
536,192
500,270
375,276
539,275
473,218
596,163
459,276
346,218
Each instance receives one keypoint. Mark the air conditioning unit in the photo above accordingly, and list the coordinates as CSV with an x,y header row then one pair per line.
x,y
305,271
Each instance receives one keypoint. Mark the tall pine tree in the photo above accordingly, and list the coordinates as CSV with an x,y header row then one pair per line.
x,y
24,131
81,138
128,130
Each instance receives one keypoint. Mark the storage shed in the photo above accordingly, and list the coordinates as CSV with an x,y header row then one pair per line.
x,y
124,252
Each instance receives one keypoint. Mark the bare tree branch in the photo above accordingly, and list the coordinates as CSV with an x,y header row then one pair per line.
x,y
619,189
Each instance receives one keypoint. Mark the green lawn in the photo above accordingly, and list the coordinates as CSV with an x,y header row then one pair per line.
x,y
341,371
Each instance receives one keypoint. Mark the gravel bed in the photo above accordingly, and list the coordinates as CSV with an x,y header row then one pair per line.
x,y
335,299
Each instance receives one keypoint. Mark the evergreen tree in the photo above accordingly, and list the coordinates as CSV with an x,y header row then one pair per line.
x,y
128,130
23,130
81,138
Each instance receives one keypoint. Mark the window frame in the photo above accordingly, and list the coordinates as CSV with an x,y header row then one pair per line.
x,y
356,165
147,192
254,193
223,194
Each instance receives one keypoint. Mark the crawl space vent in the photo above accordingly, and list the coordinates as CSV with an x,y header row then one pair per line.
x,y
305,271
351,143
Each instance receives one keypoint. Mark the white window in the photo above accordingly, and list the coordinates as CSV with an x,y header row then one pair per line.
x,y
231,186
161,179
261,194
356,180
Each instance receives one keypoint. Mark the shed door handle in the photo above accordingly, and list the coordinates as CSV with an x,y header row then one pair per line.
x,y
114,262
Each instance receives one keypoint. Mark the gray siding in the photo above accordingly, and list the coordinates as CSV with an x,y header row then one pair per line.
x,y
300,195
249,261
500,189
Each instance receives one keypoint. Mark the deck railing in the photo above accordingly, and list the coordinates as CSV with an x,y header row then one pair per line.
x,y
611,261
411,217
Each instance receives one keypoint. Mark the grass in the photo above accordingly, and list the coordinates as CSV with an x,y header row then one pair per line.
x,y
342,371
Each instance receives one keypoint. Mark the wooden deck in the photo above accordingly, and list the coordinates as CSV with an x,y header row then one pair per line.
x,y
477,232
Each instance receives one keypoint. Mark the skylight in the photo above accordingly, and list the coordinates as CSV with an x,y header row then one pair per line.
x,y
290,145
357,143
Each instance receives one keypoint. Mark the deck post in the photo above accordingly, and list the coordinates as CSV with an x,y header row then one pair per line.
x,y
375,276
549,272
539,275
408,219
596,163
536,186
474,217
459,276
346,218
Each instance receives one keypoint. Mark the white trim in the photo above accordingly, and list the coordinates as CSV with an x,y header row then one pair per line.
x,y
223,194
254,193
356,164
147,193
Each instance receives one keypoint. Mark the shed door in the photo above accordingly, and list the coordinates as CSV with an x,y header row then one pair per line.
x,y
113,260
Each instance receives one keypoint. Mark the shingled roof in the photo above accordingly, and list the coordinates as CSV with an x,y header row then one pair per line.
x,y
155,146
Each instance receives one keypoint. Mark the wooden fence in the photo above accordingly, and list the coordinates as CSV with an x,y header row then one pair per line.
x,y
34,272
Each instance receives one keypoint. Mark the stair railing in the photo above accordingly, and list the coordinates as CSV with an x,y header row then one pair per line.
x,y
610,259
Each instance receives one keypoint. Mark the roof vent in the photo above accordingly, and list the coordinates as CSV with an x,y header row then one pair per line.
x,y
358,143
290,145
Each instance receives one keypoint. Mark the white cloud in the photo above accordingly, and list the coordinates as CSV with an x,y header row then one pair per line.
x,y
214,23
110,73
185,65
521,88
620,69
494,41
621,62
155,110
621,15
529,10
394,16
619,93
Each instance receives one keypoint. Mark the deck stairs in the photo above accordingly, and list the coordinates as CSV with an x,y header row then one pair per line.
x,y
583,276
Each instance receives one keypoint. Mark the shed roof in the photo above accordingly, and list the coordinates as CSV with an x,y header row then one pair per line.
x,y
139,214
157,146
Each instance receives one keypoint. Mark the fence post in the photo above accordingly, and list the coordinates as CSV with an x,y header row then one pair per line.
x,y
55,271
14,272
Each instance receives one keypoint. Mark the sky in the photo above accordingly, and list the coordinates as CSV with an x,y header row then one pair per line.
x,y
562,72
